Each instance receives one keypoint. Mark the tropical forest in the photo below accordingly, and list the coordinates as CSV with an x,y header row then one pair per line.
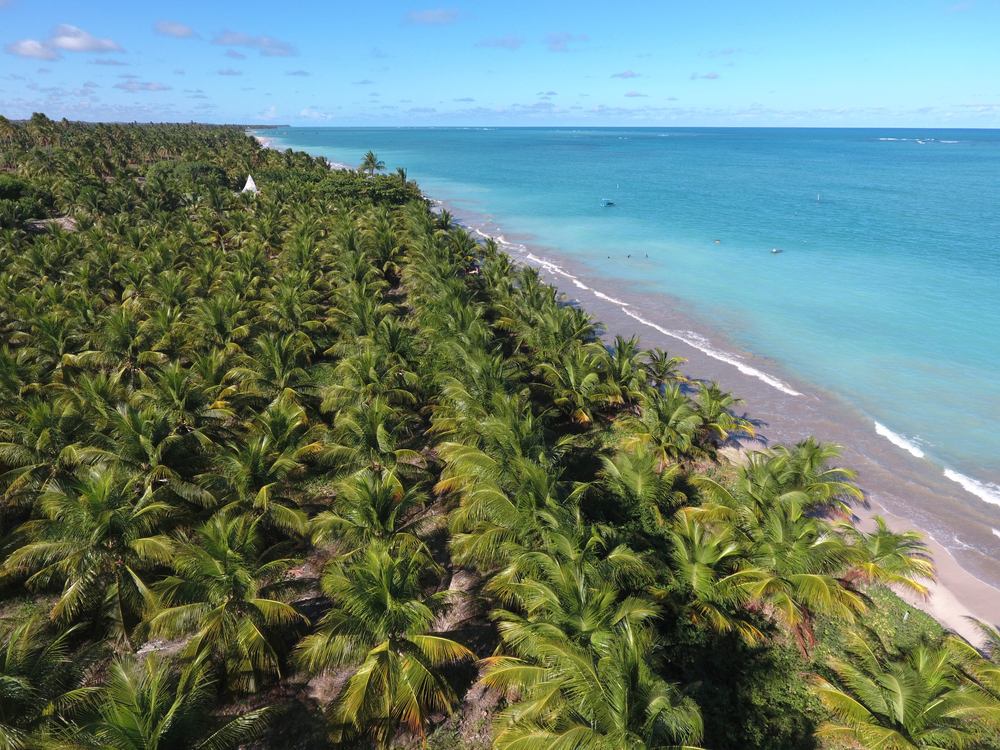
x,y
310,466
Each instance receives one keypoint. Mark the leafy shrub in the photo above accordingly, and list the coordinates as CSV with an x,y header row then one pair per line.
x,y
356,188
14,213
13,188
188,173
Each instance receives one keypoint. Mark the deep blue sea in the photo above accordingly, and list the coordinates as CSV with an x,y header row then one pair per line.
x,y
886,294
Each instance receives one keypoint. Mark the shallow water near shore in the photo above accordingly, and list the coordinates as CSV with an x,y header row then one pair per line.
x,y
875,327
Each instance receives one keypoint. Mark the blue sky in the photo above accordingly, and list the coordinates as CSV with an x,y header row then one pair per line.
x,y
919,63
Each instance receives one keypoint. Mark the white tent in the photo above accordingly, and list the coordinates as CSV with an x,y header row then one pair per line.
x,y
251,185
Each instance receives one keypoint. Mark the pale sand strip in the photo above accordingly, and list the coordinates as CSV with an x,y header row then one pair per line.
x,y
957,595
954,599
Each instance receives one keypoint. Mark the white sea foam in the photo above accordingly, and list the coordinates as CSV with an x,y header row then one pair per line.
x,y
898,440
701,344
550,266
611,299
689,337
997,533
983,490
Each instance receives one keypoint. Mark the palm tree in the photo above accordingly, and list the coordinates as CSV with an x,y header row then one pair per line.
x,y
98,538
623,366
370,436
914,701
576,589
892,559
227,590
144,706
380,628
668,425
609,699
371,164
637,481
36,679
374,508
793,564
718,421
703,564
663,369
574,384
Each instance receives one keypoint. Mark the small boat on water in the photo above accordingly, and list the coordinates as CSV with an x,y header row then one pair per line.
x,y
776,250
607,202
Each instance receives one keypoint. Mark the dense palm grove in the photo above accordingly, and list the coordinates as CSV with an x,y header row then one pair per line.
x,y
315,467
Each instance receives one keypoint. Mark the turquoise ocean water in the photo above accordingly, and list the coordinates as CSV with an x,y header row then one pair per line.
x,y
886,294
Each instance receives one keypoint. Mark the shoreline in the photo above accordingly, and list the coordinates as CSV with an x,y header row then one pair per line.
x,y
889,474
268,143
956,596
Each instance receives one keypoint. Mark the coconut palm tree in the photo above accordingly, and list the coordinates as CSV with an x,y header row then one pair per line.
x,y
371,164
228,592
668,425
576,588
663,369
793,566
638,482
380,627
374,508
718,421
97,537
703,565
892,559
144,706
37,680
915,701
611,698
574,384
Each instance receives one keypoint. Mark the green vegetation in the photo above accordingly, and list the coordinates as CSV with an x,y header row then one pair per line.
x,y
316,466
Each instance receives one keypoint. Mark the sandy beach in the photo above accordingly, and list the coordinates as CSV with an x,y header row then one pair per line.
x,y
269,143
785,412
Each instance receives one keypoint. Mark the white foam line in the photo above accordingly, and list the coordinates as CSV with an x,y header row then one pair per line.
x,y
553,268
702,345
610,299
983,490
690,338
898,440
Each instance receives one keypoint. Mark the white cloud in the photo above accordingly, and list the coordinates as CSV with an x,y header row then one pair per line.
x,y
72,39
434,17
297,73
132,85
31,48
625,74
268,46
179,30
229,72
108,61
235,55
63,37
510,42
558,41
634,94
